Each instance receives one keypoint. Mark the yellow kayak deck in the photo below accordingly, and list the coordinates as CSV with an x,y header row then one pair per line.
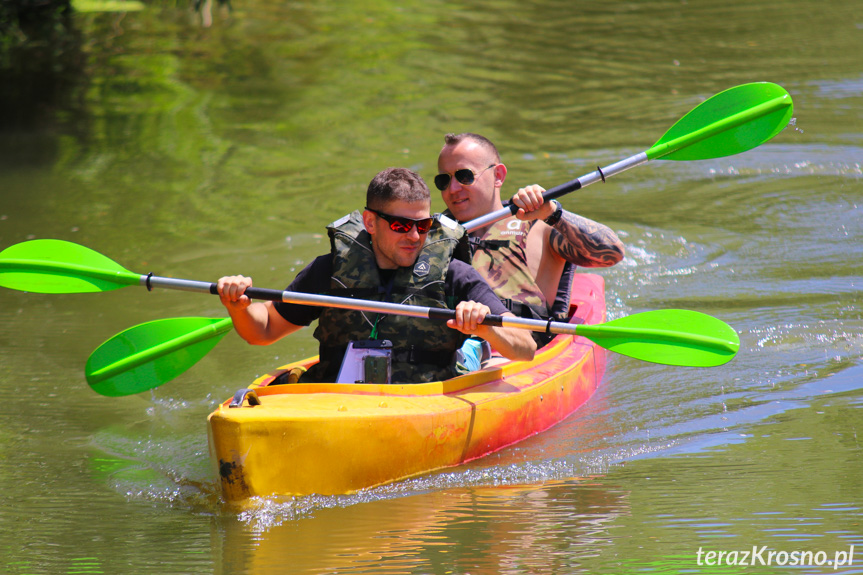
x,y
326,438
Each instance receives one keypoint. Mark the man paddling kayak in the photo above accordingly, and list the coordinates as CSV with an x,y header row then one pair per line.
x,y
528,259
392,251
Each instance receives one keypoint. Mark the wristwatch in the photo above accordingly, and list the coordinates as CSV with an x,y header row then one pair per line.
x,y
555,216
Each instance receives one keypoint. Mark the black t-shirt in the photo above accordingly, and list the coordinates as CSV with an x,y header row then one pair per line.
x,y
462,282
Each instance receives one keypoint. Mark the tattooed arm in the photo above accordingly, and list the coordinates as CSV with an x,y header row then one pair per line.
x,y
584,242
576,239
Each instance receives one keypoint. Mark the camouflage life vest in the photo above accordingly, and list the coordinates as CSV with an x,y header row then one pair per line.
x,y
423,350
500,257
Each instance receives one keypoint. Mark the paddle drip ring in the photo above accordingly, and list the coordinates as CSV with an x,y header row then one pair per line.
x,y
601,175
148,284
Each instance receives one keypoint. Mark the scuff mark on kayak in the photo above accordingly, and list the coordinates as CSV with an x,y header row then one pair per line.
x,y
233,479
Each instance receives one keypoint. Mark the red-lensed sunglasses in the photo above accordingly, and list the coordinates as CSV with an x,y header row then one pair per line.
x,y
402,225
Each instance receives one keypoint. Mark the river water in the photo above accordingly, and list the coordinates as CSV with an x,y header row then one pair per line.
x,y
196,145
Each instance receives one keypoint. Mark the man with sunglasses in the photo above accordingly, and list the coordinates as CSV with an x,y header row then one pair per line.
x,y
528,259
392,251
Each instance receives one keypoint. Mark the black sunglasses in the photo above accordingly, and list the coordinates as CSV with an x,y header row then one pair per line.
x,y
402,225
463,176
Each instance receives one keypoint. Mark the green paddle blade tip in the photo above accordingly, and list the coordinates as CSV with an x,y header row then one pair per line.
x,y
669,337
731,122
152,353
57,266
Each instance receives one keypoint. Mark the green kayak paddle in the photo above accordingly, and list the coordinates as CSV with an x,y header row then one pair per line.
x,y
731,122
57,266
150,354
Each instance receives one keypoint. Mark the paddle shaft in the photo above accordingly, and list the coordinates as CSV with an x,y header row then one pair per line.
x,y
654,153
599,175
440,314
332,301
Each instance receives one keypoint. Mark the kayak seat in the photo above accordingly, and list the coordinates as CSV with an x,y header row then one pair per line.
x,y
289,376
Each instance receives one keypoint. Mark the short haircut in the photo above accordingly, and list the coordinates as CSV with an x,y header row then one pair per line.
x,y
396,184
453,139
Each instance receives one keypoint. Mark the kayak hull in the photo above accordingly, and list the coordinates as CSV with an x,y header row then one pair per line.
x,y
339,438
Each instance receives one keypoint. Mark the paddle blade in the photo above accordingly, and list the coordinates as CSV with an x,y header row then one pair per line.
x,y
57,266
670,337
153,353
729,123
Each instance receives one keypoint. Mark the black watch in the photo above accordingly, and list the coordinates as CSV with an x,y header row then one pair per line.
x,y
555,216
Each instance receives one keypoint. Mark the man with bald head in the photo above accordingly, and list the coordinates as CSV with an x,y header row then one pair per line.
x,y
528,258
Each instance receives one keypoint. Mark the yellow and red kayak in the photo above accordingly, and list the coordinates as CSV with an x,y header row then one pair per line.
x,y
284,438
